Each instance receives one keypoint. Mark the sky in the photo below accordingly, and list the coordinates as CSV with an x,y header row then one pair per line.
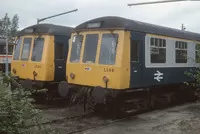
x,y
167,14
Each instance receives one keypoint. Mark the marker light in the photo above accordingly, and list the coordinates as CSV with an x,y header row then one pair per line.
x,y
72,75
105,79
14,70
34,73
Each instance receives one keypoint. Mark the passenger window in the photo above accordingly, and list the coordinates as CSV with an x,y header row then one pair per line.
x,y
181,52
2,49
77,41
134,50
37,49
10,49
158,50
108,49
17,49
197,53
90,49
26,48
59,51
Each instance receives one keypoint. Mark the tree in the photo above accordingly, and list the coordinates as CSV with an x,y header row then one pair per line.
x,y
3,26
12,27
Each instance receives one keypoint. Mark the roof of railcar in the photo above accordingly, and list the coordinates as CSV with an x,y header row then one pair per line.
x,y
46,29
114,22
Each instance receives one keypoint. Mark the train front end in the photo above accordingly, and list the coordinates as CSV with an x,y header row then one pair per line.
x,y
39,58
96,62
95,59
28,65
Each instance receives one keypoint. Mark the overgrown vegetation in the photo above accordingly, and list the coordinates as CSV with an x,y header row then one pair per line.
x,y
195,74
16,109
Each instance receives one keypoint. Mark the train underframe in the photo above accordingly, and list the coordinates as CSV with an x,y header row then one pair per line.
x,y
120,103
112,102
38,87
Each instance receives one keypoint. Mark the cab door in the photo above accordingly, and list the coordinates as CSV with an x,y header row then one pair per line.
x,y
136,57
60,56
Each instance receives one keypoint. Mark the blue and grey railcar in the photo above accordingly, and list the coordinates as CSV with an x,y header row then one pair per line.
x,y
129,65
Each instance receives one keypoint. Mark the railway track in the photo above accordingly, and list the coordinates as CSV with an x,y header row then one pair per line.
x,y
84,122
91,120
59,120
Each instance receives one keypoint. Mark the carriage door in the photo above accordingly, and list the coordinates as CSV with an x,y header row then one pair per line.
x,y
60,55
136,45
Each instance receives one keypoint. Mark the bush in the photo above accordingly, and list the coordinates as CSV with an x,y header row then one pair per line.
x,y
16,110
195,75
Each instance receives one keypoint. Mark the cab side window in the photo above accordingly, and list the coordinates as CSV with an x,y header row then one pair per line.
x,y
17,49
76,48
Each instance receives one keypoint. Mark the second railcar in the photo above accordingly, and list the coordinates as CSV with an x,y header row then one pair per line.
x,y
3,55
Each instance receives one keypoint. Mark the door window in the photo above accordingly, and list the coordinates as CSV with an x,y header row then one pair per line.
x,y
59,51
134,51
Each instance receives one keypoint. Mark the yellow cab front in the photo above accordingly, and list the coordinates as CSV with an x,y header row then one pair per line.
x,y
30,58
96,59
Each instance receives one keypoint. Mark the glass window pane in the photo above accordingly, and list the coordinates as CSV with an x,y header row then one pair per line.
x,y
37,49
152,41
164,43
134,50
181,56
2,50
176,44
26,48
90,49
179,46
158,55
17,49
160,43
181,52
197,53
108,49
76,48
59,51
156,42
10,49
